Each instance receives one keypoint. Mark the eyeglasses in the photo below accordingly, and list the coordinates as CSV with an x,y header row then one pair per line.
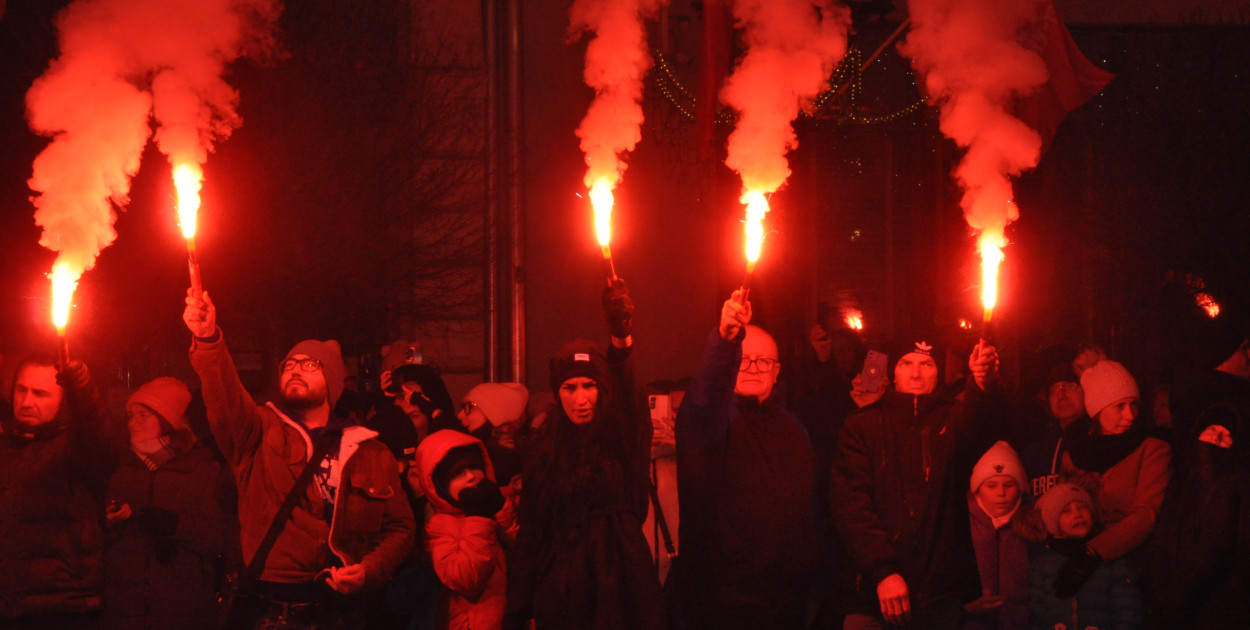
x,y
307,365
763,364
468,407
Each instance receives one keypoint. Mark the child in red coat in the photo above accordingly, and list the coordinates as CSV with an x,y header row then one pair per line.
x,y
466,535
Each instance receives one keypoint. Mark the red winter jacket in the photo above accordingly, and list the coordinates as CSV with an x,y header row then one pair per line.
x,y
467,551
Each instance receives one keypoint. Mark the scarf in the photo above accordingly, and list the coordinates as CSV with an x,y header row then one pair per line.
x,y
1095,452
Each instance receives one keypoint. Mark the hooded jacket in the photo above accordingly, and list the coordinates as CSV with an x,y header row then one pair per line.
x,y
468,551
1198,560
899,490
371,523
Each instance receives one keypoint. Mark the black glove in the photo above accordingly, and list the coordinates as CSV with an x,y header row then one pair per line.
x,y
484,499
423,403
1074,572
157,522
619,308
80,389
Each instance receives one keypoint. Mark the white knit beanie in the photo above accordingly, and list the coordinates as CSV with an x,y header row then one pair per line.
x,y
1104,383
501,403
1000,459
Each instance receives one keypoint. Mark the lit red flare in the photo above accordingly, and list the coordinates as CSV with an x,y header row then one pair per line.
x,y
1208,304
991,257
757,208
64,281
188,179
854,320
601,200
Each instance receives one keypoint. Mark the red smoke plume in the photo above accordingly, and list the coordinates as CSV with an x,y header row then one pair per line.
x,y
970,55
792,46
120,62
617,59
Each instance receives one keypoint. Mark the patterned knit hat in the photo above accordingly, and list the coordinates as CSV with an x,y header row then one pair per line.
x,y
1052,503
1105,383
1000,459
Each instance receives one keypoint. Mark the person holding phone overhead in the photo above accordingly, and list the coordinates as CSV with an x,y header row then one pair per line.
x,y
899,484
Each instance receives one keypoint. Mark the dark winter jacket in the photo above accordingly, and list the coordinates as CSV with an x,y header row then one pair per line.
x,y
1198,560
1003,563
371,523
51,515
163,568
900,483
1110,599
745,472
580,558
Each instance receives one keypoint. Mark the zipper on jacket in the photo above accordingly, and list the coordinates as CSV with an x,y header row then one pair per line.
x,y
924,451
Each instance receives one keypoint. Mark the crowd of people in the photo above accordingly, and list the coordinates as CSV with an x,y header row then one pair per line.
x,y
868,489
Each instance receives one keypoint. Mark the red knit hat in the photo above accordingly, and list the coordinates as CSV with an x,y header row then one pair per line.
x,y
330,355
168,397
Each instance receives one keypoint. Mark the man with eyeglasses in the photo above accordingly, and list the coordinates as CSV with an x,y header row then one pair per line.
x,y
745,469
1065,402
351,525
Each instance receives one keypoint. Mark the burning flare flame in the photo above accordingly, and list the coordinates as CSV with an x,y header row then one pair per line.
x,y
991,256
188,178
64,281
601,200
757,208
855,320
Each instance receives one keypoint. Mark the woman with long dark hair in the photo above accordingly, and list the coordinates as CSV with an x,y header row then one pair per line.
x,y
581,560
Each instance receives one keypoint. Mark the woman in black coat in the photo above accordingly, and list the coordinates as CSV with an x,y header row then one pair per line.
x,y
580,559
171,519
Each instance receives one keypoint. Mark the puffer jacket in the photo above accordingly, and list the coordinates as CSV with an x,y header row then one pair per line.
x,y
51,517
1109,600
899,488
371,523
468,551
169,579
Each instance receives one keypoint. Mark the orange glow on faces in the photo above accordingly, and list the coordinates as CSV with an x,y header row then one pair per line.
x,y
188,178
64,281
757,208
991,256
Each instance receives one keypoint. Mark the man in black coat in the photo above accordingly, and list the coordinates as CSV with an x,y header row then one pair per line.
x,y
899,490
745,470
53,472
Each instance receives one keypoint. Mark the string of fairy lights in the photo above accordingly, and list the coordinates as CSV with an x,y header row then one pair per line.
x,y
848,79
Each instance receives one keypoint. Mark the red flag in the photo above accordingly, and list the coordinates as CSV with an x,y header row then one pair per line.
x,y
1073,78
713,66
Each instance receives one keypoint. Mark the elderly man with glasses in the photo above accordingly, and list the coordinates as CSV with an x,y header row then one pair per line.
x,y
745,469
350,525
